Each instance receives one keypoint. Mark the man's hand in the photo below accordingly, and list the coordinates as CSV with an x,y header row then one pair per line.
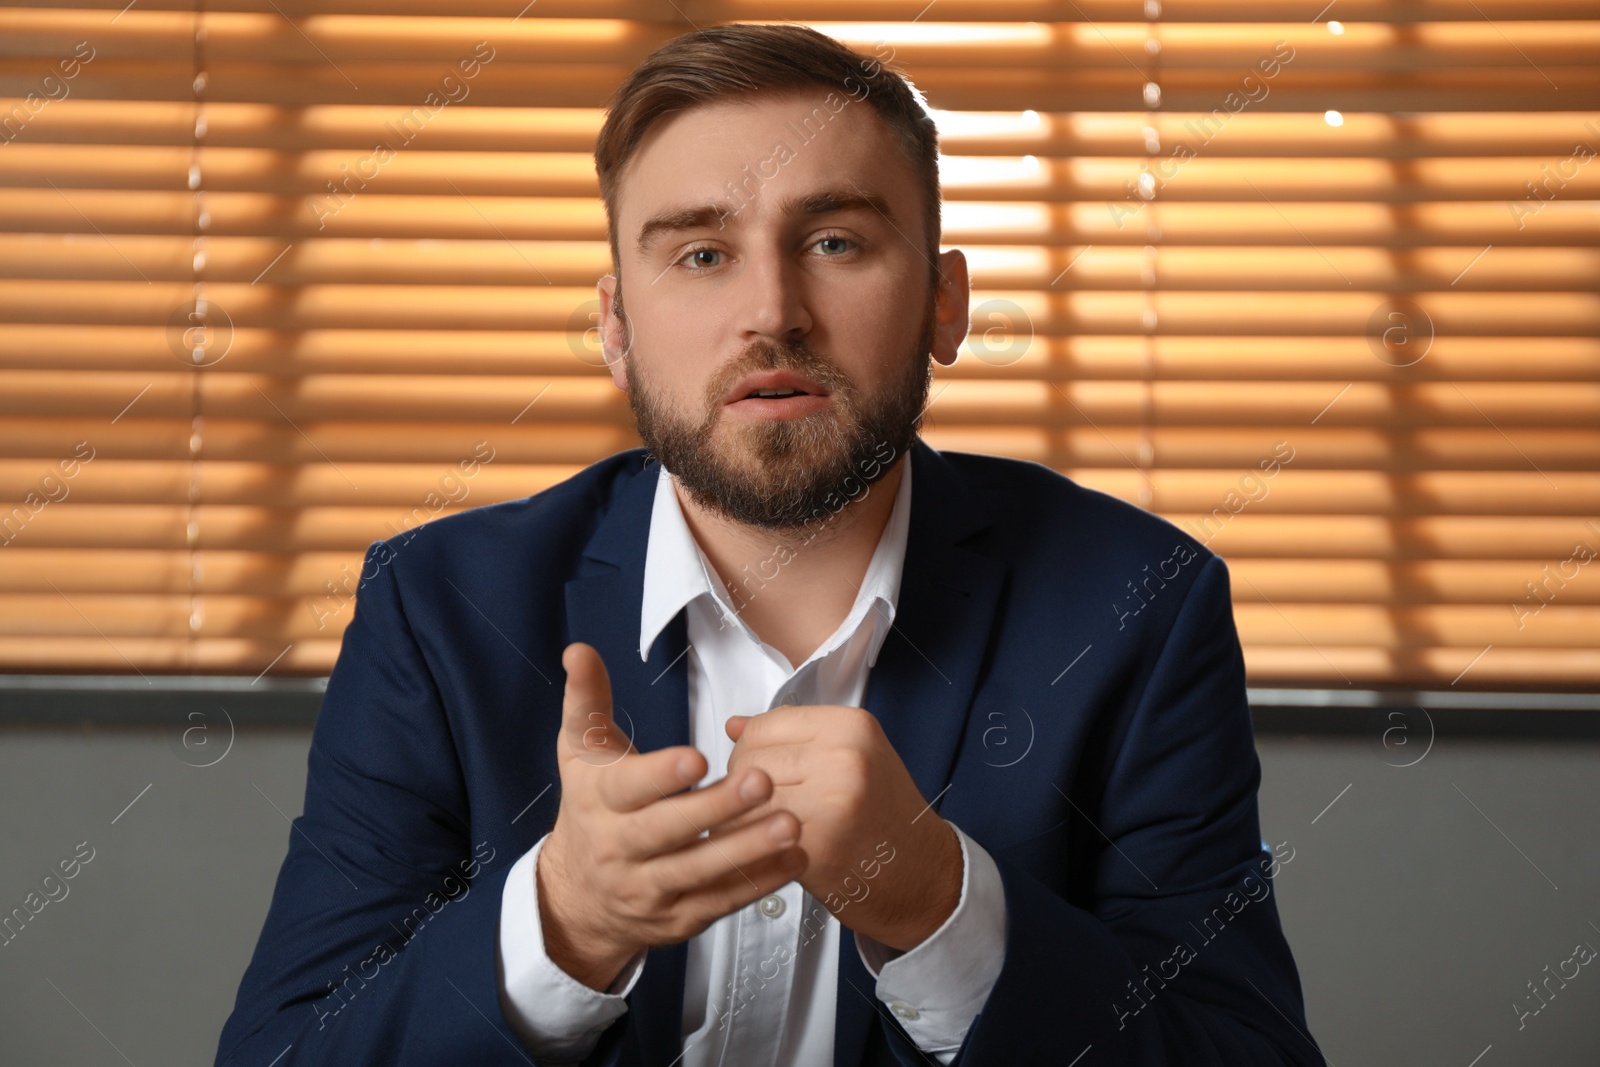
x,y
883,862
625,866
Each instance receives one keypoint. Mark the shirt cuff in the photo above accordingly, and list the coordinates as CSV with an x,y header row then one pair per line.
x,y
937,988
558,1017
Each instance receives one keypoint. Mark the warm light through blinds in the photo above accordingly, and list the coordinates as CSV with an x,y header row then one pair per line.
x,y
278,279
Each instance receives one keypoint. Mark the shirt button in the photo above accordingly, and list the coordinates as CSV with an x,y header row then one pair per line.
x,y
904,1010
772,905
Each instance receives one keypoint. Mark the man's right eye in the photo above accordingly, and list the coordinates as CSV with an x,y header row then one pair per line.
x,y
698,263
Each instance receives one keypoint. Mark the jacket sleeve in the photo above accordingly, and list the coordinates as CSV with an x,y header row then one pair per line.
x,y
380,942
1177,956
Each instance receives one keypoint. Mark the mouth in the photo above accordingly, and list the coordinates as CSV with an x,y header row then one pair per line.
x,y
780,404
777,394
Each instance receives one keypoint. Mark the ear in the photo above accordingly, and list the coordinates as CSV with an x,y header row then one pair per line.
x,y
611,333
952,307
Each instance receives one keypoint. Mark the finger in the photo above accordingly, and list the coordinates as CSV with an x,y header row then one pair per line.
x,y
792,723
739,888
587,729
676,821
732,865
743,819
786,764
645,777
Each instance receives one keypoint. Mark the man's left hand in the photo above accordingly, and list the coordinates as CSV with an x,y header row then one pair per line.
x,y
879,858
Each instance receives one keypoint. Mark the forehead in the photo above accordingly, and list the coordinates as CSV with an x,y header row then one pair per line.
x,y
736,152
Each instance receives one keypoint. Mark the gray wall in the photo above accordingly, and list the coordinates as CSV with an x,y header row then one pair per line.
x,y
1416,917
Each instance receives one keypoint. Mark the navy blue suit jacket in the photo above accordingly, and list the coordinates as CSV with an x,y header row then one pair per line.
x,y
1063,676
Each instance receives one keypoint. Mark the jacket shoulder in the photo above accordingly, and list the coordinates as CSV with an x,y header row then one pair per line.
x,y
1033,504
555,522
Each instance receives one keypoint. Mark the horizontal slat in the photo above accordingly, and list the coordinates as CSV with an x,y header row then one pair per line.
x,y
232,37
1099,87
704,12
383,352
90,211
328,581
330,262
97,527
1463,669
36,443
1064,229
1359,492
1479,405
331,181
1332,449
590,396
1396,629
540,306
307,174
1398,539
151,656
1547,136
1283,221
1220,493
1251,533
1495,583
1246,134
153,615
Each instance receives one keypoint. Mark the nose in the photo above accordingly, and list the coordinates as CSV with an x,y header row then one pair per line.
x,y
772,290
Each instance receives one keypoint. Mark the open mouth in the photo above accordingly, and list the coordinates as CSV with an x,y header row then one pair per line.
x,y
779,393
780,404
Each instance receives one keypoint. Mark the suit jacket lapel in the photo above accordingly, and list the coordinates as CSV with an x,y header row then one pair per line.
x,y
921,686
650,701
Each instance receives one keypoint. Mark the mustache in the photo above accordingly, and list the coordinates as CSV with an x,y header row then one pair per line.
x,y
762,355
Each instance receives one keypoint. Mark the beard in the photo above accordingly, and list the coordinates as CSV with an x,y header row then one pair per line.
x,y
784,474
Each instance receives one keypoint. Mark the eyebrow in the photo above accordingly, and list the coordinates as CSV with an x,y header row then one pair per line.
x,y
715,216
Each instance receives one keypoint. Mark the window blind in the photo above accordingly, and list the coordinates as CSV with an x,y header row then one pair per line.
x,y
278,279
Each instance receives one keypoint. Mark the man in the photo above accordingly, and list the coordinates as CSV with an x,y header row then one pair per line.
x,y
854,764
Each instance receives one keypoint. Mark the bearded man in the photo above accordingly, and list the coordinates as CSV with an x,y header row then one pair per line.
x,y
785,739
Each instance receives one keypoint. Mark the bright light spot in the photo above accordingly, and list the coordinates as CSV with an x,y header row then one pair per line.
x,y
984,123
974,218
1336,28
1333,118
879,38
963,171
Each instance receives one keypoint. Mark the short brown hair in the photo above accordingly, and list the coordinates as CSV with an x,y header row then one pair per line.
x,y
741,59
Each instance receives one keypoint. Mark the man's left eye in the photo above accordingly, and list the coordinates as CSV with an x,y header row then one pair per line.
x,y
835,241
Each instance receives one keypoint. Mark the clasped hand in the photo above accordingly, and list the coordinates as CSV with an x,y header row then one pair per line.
x,y
814,793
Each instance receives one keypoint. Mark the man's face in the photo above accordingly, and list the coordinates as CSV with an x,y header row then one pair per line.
x,y
809,257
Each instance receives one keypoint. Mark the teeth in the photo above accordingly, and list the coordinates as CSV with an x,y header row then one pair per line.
x,y
776,392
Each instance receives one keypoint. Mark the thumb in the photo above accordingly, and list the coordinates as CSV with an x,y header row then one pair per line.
x,y
588,730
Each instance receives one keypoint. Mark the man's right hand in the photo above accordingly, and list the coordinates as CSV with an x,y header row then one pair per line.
x,y
625,866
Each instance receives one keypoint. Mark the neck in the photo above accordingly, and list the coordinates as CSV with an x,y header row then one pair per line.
x,y
794,587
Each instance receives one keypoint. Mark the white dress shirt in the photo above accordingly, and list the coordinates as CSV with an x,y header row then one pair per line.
x,y
760,983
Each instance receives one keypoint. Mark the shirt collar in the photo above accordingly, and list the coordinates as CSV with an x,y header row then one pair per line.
x,y
676,570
